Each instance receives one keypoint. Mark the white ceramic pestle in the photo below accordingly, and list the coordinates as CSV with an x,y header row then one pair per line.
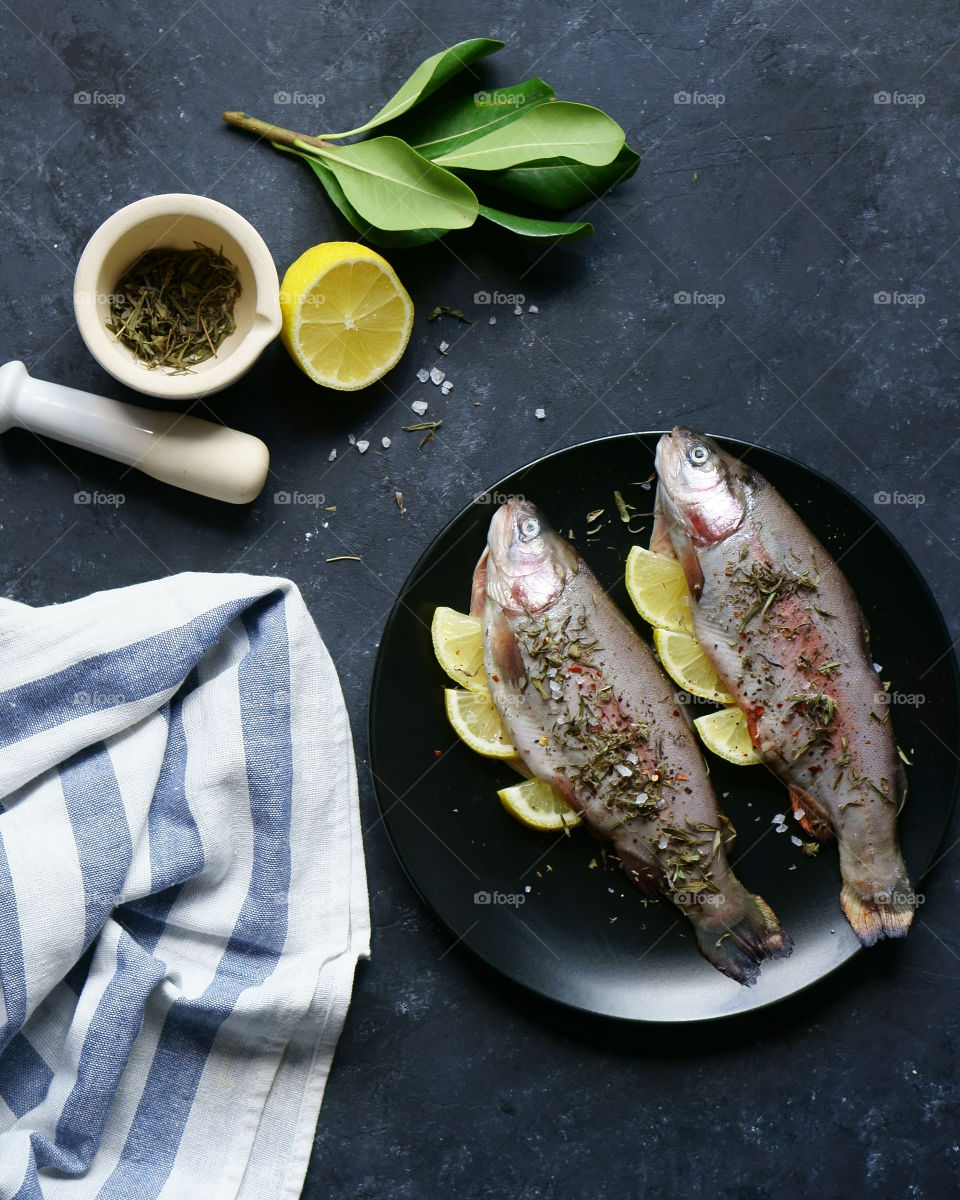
x,y
201,456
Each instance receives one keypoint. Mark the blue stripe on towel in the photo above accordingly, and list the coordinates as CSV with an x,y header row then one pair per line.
x,y
176,849
104,1056
24,1076
252,952
12,975
101,831
132,672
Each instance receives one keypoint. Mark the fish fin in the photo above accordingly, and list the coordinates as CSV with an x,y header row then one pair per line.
x,y
877,897
875,915
691,566
739,944
478,593
660,540
815,819
505,651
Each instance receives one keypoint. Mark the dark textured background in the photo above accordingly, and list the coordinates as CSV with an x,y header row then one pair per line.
x,y
797,199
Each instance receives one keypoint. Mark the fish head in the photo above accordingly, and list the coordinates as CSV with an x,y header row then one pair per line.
x,y
528,563
703,491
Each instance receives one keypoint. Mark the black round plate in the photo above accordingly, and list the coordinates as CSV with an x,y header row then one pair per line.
x,y
548,911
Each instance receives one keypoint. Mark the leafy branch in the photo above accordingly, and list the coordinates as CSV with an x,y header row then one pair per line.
x,y
520,141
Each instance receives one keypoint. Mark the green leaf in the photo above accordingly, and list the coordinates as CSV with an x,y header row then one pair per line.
x,y
393,187
559,231
392,239
561,183
432,73
560,129
467,118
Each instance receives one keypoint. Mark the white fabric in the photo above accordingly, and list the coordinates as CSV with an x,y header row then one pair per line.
x,y
182,891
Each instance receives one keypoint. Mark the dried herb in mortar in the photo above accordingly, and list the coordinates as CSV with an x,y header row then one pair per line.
x,y
174,308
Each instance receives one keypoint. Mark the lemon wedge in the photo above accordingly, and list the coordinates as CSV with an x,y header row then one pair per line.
x,y
725,733
347,318
477,723
536,804
685,662
458,645
658,588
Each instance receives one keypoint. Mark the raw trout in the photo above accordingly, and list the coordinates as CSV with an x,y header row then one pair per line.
x,y
781,625
591,713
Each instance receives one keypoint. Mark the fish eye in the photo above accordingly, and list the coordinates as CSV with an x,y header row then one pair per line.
x,y
698,454
529,529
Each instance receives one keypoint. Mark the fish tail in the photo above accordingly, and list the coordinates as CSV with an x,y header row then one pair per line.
x,y
738,937
877,897
876,914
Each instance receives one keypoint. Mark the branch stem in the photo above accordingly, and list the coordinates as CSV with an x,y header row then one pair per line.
x,y
276,133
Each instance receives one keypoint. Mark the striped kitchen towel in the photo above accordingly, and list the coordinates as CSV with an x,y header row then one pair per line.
x,y
182,890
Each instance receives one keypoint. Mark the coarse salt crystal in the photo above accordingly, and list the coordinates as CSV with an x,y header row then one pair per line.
x,y
777,819
436,375
624,771
518,311
419,407
877,668
446,387
540,414
781,829
352,439
798,814
632,758
532,308
363,446
662,844
386,443
332,455
423,374
492,321
528,889
796,841
443,347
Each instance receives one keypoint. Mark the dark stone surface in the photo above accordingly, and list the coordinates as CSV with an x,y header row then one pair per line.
x,y
797,200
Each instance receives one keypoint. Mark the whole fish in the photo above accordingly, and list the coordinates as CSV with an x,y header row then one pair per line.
x,y
782,627
591,713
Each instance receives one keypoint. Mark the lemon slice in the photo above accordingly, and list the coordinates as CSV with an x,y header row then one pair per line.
x,y
658,589
458,645
477,722
725,733
685,662
536,804
346,316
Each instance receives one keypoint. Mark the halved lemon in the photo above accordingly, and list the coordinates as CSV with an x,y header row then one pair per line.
x,y
725,733
685,662
347,318
658,588
536,804
477,723
458,645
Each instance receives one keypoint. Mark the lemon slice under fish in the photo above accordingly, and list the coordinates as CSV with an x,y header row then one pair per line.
x,y
685,662
725,733
536,804
658,588
458,645
477,723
